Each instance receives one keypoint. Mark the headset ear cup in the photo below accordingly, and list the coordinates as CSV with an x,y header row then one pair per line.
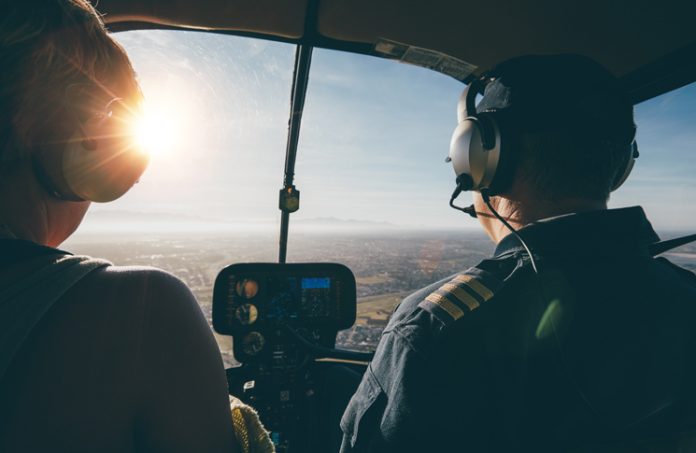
x,y
460,145
48,168
470,156
475,144
105,173
622,176
97,164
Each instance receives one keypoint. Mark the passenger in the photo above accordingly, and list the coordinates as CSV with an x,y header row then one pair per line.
x,y
93,357
597,351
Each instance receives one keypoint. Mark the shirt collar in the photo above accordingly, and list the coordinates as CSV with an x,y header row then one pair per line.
x,y
600,232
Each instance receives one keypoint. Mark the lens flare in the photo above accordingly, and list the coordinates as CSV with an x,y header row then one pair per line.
x,y
163,126
155,130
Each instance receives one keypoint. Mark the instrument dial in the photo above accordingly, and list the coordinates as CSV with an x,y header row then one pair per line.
x,y
247,288
246,314
253,343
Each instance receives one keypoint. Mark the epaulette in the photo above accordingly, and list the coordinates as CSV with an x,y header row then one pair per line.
x,y
461,295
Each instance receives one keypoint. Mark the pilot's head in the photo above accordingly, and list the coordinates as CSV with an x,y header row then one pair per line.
x,y
66,91
557,134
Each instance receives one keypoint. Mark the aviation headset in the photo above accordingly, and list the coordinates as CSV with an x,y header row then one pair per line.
x,y
482,158
98,163
480,149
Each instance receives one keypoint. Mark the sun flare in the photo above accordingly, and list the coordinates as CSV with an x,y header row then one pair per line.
x,y
155,131
161,128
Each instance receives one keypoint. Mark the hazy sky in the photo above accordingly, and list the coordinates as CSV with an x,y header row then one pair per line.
x,y
372,147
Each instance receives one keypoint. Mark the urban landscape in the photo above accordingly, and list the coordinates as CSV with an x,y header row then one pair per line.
x,y
387,265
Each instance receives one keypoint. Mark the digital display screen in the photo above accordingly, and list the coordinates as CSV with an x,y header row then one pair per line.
x,y
315,299
316,283
282,296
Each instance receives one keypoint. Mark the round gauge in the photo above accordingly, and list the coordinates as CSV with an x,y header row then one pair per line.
x,y
253,343
246,314
247,288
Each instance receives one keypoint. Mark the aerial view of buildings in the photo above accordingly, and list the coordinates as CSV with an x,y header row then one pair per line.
x,y
387,266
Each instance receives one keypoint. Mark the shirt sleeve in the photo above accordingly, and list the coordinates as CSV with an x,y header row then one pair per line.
x,y
389,410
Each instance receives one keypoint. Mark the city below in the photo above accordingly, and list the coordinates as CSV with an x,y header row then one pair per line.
x,y
387,265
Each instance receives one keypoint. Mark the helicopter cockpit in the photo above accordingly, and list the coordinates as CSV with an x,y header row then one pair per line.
x,y
250,103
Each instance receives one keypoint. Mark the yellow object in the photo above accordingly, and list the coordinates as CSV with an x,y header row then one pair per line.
x,y
441,301
461,295
248,429
474,284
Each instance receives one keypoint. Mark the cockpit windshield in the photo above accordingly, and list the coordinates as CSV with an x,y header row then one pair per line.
x,y
370,168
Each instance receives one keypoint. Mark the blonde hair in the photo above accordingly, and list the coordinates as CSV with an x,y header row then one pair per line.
x,y
45,47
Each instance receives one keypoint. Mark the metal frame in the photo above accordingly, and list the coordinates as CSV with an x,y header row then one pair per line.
x,y
303,60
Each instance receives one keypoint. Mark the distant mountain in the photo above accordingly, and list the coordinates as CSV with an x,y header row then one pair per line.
x,y
334,222
110,215
124,220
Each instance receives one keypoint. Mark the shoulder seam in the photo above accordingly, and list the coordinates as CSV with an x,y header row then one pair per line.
x,y
408,342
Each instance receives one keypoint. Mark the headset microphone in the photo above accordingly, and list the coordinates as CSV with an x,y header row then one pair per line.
x,y
463,183
471,210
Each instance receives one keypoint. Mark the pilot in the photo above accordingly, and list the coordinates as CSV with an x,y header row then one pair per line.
x,y
572,336
93,357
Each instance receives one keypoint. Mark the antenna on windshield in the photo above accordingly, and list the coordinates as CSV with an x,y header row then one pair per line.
x,y
289,198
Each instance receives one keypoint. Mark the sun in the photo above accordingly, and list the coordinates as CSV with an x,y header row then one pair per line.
x,y
161,128
155,130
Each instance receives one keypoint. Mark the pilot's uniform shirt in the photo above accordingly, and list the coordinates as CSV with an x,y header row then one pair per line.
x,y
599,348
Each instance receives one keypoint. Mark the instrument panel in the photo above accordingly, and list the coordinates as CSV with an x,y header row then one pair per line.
x,y
281,318
255,301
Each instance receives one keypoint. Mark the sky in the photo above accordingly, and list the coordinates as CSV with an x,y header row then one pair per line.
x,y
374,137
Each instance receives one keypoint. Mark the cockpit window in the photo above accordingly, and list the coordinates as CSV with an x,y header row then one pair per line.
x,y
375,185
370,168
662,180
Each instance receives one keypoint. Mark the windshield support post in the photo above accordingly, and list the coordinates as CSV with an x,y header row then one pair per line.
x,y
289,195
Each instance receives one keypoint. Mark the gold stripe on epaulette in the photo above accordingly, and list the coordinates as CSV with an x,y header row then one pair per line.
x,y
474,284
442,302
461,295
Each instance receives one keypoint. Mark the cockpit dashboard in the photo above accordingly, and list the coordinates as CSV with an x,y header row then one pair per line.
x,y
283,320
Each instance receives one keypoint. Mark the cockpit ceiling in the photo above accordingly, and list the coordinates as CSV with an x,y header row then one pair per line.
x,y
280,18
652,44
